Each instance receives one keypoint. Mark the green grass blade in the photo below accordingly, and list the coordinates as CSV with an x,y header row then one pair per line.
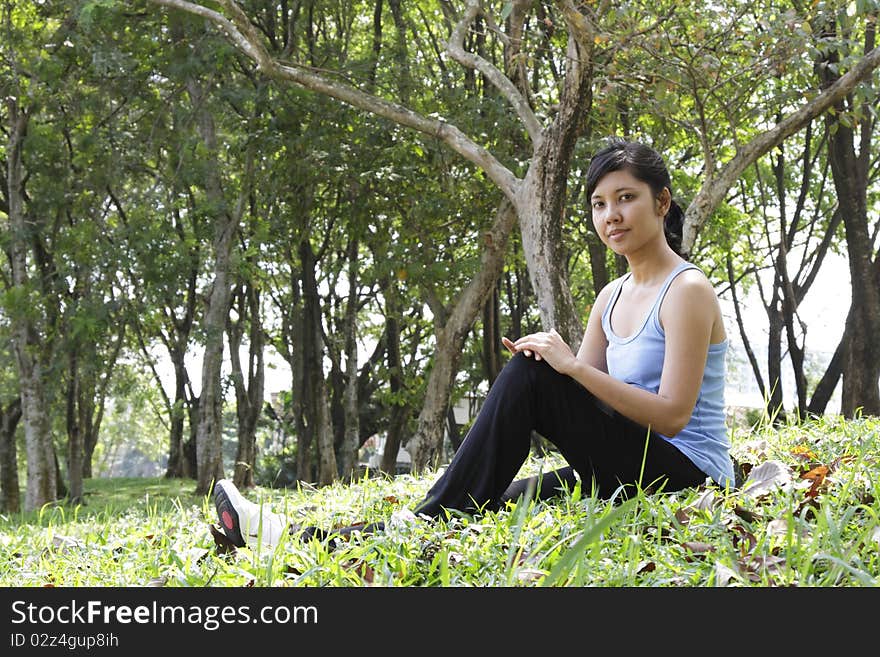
x,y
568,560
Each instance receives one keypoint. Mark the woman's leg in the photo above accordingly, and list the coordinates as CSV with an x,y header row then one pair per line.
x,y
527,395
499,441
542,487
606,449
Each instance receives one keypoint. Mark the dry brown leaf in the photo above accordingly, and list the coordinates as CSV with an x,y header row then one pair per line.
x,y
765,477
723,574
698,547
682,516
745,514
817,473
743,539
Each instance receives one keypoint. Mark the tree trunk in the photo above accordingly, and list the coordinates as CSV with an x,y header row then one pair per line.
x,y
540,200
782,279
453,428
315,391
292,347
492,346
516,301
176,461
425,445
248,396
547,259
209,437
42,486
774,398
348,451
598,260
74,431
399,412
10,496
861,374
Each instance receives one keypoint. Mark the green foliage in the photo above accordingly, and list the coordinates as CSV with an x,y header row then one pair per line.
x,y
277,469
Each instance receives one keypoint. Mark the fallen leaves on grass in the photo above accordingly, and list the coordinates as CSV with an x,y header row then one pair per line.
x,y
63,544
817,476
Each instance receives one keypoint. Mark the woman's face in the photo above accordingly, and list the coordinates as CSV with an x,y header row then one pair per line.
x,y
626,214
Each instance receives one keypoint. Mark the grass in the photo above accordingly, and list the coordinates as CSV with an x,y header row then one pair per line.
x,y
807,517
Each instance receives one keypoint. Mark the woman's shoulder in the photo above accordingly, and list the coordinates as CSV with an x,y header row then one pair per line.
x,y
598,306
693,277
692,287
611,285
606,292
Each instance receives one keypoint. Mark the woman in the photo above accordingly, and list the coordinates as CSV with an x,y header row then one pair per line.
x,y
640,404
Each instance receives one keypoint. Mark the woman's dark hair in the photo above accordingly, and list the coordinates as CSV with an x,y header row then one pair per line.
x,y
645,164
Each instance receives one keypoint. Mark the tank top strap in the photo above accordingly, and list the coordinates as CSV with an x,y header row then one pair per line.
x,y
606,313
655,310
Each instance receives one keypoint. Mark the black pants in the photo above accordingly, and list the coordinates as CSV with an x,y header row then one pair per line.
x,y
605,448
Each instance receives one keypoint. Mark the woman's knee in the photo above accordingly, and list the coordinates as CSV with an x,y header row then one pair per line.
x,y
520,361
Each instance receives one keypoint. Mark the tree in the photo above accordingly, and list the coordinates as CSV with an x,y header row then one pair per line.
x,y
41,486
851,126
798,222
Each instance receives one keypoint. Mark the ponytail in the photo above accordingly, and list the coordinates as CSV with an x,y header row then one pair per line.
x,y
673,227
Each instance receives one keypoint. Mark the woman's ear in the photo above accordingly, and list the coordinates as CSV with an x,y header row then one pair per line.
x,y
664,201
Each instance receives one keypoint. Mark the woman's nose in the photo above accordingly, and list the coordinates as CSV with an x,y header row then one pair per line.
x,y
612,214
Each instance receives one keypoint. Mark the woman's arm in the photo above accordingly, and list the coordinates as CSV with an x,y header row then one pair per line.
x,y
688,315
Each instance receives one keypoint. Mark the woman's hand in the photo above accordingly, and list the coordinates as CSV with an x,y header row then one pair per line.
x,y
547,346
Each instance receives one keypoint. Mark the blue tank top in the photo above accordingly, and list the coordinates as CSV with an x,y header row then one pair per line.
x,y
638,360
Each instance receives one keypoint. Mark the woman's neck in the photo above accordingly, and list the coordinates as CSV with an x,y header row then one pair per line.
x,y
651,267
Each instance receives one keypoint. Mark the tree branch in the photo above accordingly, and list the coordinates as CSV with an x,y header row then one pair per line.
x,y
456,49
246,38
712,192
